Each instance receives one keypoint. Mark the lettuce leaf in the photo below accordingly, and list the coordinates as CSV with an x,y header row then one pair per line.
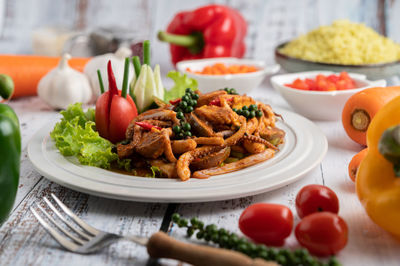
x,y
181,83
76,135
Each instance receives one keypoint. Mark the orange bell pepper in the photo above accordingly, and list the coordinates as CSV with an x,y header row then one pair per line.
x,y
378,177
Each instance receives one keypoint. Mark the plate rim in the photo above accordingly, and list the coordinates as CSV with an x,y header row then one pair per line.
x,y
37,157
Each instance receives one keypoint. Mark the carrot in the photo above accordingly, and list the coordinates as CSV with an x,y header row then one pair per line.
x,y
355,163
222,69
27,70
361,107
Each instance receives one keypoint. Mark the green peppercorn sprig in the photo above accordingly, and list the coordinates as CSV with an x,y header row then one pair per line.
x,y
186,105
188,102
231,91
228,240
249,111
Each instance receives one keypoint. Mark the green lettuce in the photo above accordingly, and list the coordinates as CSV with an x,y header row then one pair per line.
x,y
76,135
181,83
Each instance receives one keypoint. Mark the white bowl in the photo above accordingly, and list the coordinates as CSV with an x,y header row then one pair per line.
x,y
319,105
243,83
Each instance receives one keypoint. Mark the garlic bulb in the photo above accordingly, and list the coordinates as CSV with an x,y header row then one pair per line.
x,y
63,86
100,63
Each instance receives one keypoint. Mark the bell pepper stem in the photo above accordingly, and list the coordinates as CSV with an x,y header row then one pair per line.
x,y
389,147
194,42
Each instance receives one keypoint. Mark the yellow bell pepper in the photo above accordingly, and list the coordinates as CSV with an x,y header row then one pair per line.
x,y
377,185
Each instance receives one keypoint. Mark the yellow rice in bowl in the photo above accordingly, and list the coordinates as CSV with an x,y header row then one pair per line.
x,y
344,43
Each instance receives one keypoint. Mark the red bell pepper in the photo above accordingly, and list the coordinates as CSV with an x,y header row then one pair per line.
x,y
209,31
114,112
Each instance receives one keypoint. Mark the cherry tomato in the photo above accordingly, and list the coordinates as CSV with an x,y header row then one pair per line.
x,y
113,119
322,233
316,198
266,223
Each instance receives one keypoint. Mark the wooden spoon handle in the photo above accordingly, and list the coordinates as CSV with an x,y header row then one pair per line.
x,y
160,245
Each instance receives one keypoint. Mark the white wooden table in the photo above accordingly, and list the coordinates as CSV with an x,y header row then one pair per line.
x,y
24,242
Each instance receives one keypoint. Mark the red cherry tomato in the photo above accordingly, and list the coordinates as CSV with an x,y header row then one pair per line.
x,y
113,112
266,223
316,198
322,233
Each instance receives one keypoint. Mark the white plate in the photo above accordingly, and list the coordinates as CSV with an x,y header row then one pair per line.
x,y
304,148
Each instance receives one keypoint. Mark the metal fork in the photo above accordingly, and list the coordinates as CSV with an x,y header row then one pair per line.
x,y
88,239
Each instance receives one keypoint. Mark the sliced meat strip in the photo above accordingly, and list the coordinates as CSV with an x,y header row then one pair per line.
x,y
183,145
219,141
231,167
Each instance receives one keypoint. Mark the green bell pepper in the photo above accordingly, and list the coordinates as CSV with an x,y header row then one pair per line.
x,y
10,153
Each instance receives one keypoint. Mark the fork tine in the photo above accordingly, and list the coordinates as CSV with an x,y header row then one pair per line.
x,y
59,238
75,218
77,240
54,209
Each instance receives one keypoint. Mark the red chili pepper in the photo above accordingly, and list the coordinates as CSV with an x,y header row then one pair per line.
x,y
217,102
147,126
113,112
176,101
209,31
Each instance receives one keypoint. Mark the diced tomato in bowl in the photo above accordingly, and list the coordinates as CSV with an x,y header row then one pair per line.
x,y
322,82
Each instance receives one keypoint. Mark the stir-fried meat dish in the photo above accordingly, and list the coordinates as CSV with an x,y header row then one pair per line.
x,y
202,135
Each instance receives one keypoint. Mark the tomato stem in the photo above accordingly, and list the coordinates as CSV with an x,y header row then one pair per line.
x,y
100,81
126,77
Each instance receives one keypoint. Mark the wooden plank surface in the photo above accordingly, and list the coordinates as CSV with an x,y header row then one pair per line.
x,y
24,242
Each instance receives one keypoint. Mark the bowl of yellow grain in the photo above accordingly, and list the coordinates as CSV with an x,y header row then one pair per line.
x,y
342,46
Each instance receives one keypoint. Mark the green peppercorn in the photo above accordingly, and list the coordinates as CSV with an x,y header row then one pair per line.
x,y
188,133
188,90
333,262
239,112
176,129
280,259
178,109
215,237
253,107
245,108
195,96
259,113
235,110
181,135
190,231
263,254
200,234
180,115
183,104
189,109
182,222
194,221
246,113
242,248
252,114
186,126
185,98
272,253
233,91
222,232
176,217
207,236
200,225
223,241
193,102
211,228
